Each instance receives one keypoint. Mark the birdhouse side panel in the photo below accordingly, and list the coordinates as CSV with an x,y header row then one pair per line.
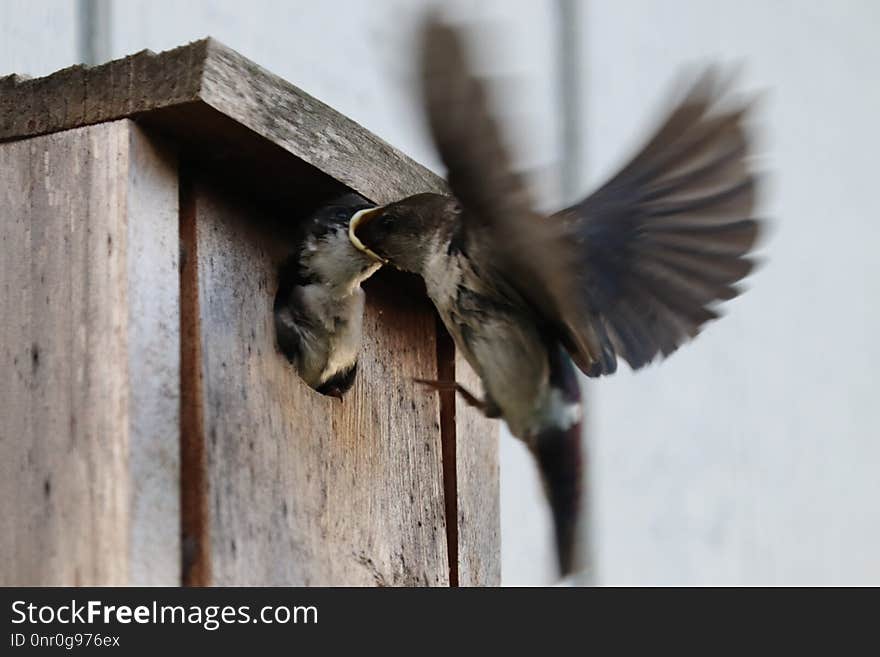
x,y
477,488
303,489
89,403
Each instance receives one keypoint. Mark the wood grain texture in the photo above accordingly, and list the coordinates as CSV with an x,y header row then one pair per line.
x,y
476,449
228,108
153,351
89,403
194,512
304,489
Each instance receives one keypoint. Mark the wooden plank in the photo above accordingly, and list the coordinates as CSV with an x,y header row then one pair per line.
x,y
194,512
88,407
153,303
471,474
227,109
303,489
477,486
312,131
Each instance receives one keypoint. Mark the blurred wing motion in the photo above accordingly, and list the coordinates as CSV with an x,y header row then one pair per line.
x,y
494,197
661,241
631,270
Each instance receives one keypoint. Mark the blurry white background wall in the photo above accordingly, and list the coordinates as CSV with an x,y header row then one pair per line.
x,y
752,456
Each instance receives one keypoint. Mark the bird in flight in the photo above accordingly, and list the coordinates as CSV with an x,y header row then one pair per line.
x,y
631,272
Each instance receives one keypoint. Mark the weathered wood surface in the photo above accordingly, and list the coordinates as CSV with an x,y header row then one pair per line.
x,y
478,495
232,111
280,485
89,397
470,471
303,489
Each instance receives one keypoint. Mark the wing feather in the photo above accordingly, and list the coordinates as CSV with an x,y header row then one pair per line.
x,y
635,269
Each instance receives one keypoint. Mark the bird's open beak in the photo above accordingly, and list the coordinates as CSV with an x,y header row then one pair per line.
x,y
362,217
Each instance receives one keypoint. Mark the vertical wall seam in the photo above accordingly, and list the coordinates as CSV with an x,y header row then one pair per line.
x,y
446,372
572,119
94,39
570,85
194,509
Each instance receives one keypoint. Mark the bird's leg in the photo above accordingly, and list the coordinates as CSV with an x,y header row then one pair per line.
x,y
452,386
488,407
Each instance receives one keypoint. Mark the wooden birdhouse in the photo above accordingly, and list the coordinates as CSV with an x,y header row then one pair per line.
x,y
150,431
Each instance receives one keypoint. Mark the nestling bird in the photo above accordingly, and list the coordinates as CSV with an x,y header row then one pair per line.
x,y
630,272
319,305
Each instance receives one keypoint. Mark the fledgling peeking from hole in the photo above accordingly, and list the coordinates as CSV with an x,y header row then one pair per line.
x,y
319,304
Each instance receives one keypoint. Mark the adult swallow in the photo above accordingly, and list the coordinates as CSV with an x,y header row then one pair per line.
x,y
632,271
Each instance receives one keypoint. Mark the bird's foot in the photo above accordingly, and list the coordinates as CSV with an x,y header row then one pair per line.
x,y
489,409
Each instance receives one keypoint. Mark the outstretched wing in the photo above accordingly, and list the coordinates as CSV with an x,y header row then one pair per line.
x,y
467,134
634,269
498,216
654,248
